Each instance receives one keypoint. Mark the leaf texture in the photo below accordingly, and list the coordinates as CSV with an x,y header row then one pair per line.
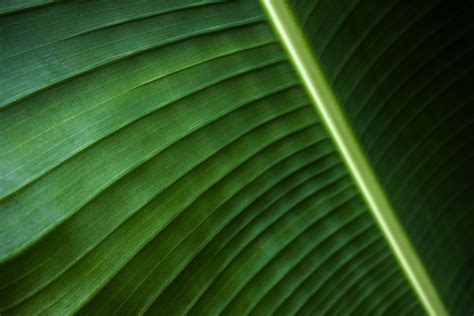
x,y
163,158
403,73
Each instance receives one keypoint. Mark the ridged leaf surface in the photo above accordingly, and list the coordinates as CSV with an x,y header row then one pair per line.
x,y
163,157
403,74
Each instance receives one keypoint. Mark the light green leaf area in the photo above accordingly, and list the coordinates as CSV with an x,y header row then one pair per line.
x,y
164,158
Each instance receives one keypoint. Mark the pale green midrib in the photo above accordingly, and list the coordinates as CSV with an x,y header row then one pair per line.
x,y
349,148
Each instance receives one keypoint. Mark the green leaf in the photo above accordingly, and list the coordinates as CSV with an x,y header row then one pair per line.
x,y
164,157
329,109
403,76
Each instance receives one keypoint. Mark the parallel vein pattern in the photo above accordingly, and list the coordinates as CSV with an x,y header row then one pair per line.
x,y
162,158
404,75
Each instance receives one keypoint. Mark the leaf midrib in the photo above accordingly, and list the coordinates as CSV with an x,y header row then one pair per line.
x,y
330,111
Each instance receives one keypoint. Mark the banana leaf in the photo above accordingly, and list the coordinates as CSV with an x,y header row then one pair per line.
x,y
403,74
166,158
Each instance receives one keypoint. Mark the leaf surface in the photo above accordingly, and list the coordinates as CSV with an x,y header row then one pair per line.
x,y
163,157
